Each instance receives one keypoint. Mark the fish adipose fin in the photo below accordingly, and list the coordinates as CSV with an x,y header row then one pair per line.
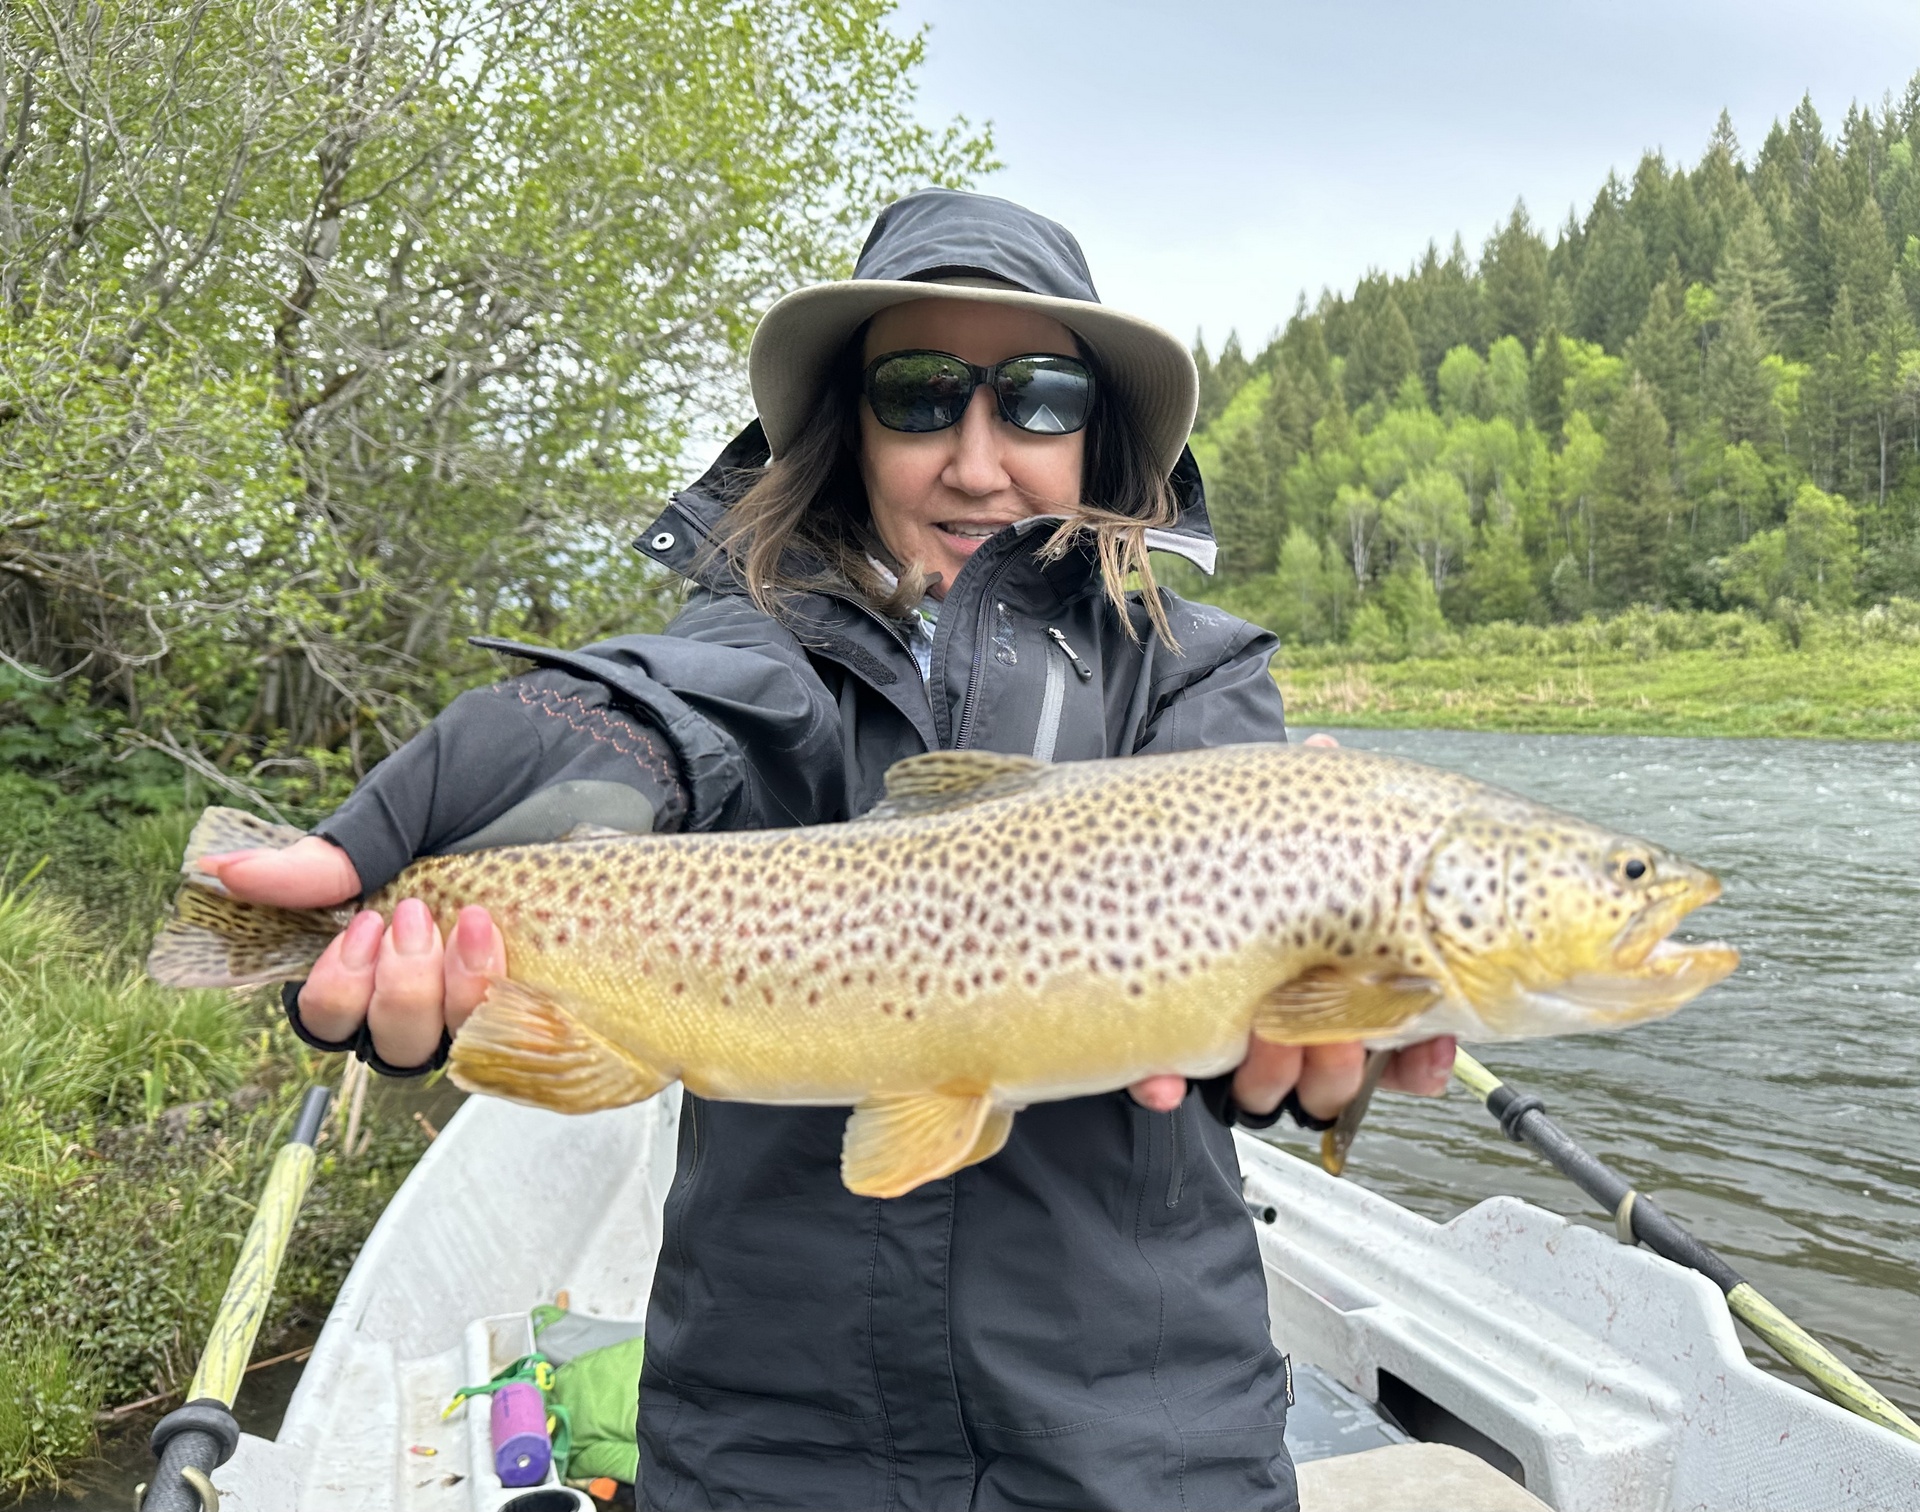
x,y
522,1044
1327,1005
953,779
895,1143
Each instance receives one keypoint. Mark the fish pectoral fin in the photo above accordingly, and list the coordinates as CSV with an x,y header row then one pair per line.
x,y
952,779
1327,1005
898,1141
523,1044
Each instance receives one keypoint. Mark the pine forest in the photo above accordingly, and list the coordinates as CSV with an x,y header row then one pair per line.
x,y
1703,394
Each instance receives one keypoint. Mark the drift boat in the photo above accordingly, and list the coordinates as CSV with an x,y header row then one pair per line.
x,y
1506,1360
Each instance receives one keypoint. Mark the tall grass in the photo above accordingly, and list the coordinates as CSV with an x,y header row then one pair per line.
x,y
136,1126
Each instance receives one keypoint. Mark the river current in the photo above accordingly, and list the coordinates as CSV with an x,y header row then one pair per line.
x,y
1779,1115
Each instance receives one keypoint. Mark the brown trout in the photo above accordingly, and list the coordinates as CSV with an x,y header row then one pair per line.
x,y
1000,931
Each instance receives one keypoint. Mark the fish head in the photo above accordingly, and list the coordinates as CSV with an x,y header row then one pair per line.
x,y
1551,925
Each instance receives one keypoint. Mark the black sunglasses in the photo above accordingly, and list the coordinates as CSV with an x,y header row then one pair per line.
x,y
928,391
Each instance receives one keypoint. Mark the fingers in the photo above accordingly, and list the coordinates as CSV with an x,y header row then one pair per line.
x,y
333,1004
477,952
1424,1068
1160,1094
1266,1076
1329,1078
310,873
406,1014
1320,740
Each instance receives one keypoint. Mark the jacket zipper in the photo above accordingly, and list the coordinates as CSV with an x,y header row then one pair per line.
x,y
982,634
1052,702
1086,672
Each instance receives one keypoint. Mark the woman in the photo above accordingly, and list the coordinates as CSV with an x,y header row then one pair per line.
x,y
923,543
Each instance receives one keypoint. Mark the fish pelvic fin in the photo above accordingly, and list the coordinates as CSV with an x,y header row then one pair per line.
x,y
214,940
953,779
522,1043
896,1142
1327,1005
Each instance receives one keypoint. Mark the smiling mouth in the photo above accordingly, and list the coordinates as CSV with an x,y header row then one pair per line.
x,y
971,532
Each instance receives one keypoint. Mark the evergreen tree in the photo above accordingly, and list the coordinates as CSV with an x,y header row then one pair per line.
x,y
1383,353
1751,268
1513,278
1662,350
1448,312
1610,292
1213,391
1243,506
1498,583
1547,388
1738,388
1633,500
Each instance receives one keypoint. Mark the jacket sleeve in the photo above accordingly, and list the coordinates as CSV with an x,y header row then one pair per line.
x,y
524,760
1220,692
721,723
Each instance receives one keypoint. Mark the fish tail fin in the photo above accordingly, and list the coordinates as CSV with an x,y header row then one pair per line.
x,y
213,940
522,1043
230,829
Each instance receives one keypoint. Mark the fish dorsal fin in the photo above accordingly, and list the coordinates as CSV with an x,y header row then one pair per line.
x,y
1327,1005
952,779
896,1142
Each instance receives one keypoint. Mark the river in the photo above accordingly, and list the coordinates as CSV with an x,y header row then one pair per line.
x,y
1779,1115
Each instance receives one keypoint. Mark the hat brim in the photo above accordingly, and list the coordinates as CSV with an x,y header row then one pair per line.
x,y
794,348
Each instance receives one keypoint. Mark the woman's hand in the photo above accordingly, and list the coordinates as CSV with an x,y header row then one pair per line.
x,y
1325,1076
399,980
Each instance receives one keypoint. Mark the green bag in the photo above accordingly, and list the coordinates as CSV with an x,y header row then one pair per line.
x,y
600,1391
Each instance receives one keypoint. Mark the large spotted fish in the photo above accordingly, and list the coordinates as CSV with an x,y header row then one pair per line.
x,y
1000,932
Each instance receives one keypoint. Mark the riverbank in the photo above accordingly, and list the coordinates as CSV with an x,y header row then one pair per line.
x,y
1851,676
1867,692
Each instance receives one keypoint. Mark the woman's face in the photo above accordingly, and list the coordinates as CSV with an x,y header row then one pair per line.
x,y
937,495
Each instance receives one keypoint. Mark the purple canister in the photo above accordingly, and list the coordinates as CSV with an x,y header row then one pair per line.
x,y
521,1449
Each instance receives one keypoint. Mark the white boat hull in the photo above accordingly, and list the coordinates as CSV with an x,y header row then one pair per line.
x,y
1613,1379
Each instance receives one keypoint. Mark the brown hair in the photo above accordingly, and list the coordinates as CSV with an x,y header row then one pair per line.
x,y
805,523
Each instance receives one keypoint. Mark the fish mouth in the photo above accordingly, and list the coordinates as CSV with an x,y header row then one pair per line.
x,y
1652,974
1670,975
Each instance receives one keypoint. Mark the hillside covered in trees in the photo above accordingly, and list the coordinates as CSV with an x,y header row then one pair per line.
x,y
1704,394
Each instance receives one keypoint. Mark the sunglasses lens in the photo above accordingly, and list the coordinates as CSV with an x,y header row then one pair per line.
x,y
1049,396
919,391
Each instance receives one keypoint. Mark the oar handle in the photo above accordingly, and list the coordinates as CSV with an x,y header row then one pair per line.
x,y
1638,1218
191,1441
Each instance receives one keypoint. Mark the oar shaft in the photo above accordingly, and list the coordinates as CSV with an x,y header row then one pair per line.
x,y
250,1287
1639,1217
192,1440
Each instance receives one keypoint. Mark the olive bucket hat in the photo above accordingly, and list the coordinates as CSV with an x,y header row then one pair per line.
x,y
970,247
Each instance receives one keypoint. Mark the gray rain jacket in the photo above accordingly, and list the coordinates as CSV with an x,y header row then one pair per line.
x,y
1079,1322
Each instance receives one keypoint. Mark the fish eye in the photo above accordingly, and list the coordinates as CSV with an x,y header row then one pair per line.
x,y
1635,868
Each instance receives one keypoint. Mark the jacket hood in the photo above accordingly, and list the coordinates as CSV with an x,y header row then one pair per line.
x,y
684,535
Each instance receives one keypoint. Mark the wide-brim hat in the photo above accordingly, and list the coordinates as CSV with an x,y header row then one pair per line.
x,y
947,244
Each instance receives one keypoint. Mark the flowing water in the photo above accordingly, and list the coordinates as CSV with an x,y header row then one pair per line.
x,y
1779,1115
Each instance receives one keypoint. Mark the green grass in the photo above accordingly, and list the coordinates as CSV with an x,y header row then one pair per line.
x,y
1644,672
1851,693
136,1126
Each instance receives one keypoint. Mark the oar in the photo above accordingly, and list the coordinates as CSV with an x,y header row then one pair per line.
x,y
1638,1218
191,1441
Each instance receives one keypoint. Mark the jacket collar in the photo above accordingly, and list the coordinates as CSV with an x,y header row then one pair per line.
x,y
685,536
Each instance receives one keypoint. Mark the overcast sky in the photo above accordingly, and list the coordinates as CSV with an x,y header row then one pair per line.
x,y
1214,159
